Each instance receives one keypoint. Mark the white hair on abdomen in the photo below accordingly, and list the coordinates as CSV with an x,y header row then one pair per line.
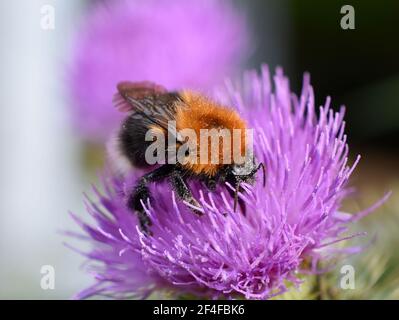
x,y
118,162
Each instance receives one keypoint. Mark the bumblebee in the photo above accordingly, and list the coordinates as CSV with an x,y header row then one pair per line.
x,y
150,108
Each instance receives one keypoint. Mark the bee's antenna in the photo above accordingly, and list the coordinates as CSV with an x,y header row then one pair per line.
x,y
264,172
236,196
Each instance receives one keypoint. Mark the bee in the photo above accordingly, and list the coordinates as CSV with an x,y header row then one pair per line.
x,y
150,107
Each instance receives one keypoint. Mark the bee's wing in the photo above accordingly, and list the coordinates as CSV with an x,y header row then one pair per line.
x,y
148,100
130,94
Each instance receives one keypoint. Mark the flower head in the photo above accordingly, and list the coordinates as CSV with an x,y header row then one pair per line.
x,y
177,43
293,219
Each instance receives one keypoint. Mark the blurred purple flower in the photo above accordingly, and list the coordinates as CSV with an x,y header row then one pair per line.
x,y
177,43
294,219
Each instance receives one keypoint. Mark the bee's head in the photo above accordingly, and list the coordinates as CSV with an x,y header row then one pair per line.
x,y
244,172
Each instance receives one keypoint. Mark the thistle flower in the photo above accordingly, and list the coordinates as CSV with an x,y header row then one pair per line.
x,y
290,223
177,43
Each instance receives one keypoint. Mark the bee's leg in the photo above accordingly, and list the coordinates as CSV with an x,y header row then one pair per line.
x,y
141,192
241,203
223,177
183,191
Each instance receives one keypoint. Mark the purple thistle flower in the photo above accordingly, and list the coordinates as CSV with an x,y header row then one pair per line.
x,y
294,219
178,43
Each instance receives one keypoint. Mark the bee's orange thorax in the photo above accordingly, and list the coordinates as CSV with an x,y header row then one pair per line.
x,y
198,112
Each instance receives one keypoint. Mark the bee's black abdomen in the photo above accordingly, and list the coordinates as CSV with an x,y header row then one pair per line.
x,y
132,140
148,112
